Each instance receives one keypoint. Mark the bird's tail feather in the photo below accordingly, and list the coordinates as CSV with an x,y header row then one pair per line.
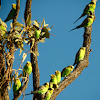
x,y
79,18
76,28
73,64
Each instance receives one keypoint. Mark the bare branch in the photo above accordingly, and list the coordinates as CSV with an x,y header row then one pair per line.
x,y
36,76
79,67
27,12
17,11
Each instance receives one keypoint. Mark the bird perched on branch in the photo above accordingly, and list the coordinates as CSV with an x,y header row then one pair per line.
x,y
53,81
11,14
48,94
86,23
17,85
37,34
58,76
80,55
89,9
42,90
67,70
27,68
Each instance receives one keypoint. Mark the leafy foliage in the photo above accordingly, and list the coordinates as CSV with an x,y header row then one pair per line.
x,y
20,35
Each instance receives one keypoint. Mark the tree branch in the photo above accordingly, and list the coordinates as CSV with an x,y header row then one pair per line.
x,y
17,11
79,67
6,80
27,12
36,75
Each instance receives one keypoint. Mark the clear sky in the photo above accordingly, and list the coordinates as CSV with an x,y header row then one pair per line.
x,y
59,51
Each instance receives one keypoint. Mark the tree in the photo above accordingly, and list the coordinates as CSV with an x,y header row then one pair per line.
x,y
7,54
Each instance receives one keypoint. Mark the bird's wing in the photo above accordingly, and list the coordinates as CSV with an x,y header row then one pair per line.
x,y
10,15
86,8
85,21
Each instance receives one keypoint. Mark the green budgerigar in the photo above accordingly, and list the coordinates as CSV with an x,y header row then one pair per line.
x,y
17,85
67,70
37,34
42,90
89,9
86,23
11,14
27,69
53,79
48,94
80,55
58,75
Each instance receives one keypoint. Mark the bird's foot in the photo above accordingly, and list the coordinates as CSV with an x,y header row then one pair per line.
x,y
66,77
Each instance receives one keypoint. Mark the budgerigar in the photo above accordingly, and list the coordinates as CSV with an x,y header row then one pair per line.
x,y
37,34
86,23
53,79
17,85
42,90
89,9
27,68
48,94
11,14
67,70
58,75
80,55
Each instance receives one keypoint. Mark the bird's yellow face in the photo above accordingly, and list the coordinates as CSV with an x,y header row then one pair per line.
x,y
93,1
91,16
51,90
46,85
16,80
14,6
57,72
71,67
28,63
83,48
53,76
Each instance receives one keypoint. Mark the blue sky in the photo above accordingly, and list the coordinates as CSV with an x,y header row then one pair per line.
x,y
59,51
